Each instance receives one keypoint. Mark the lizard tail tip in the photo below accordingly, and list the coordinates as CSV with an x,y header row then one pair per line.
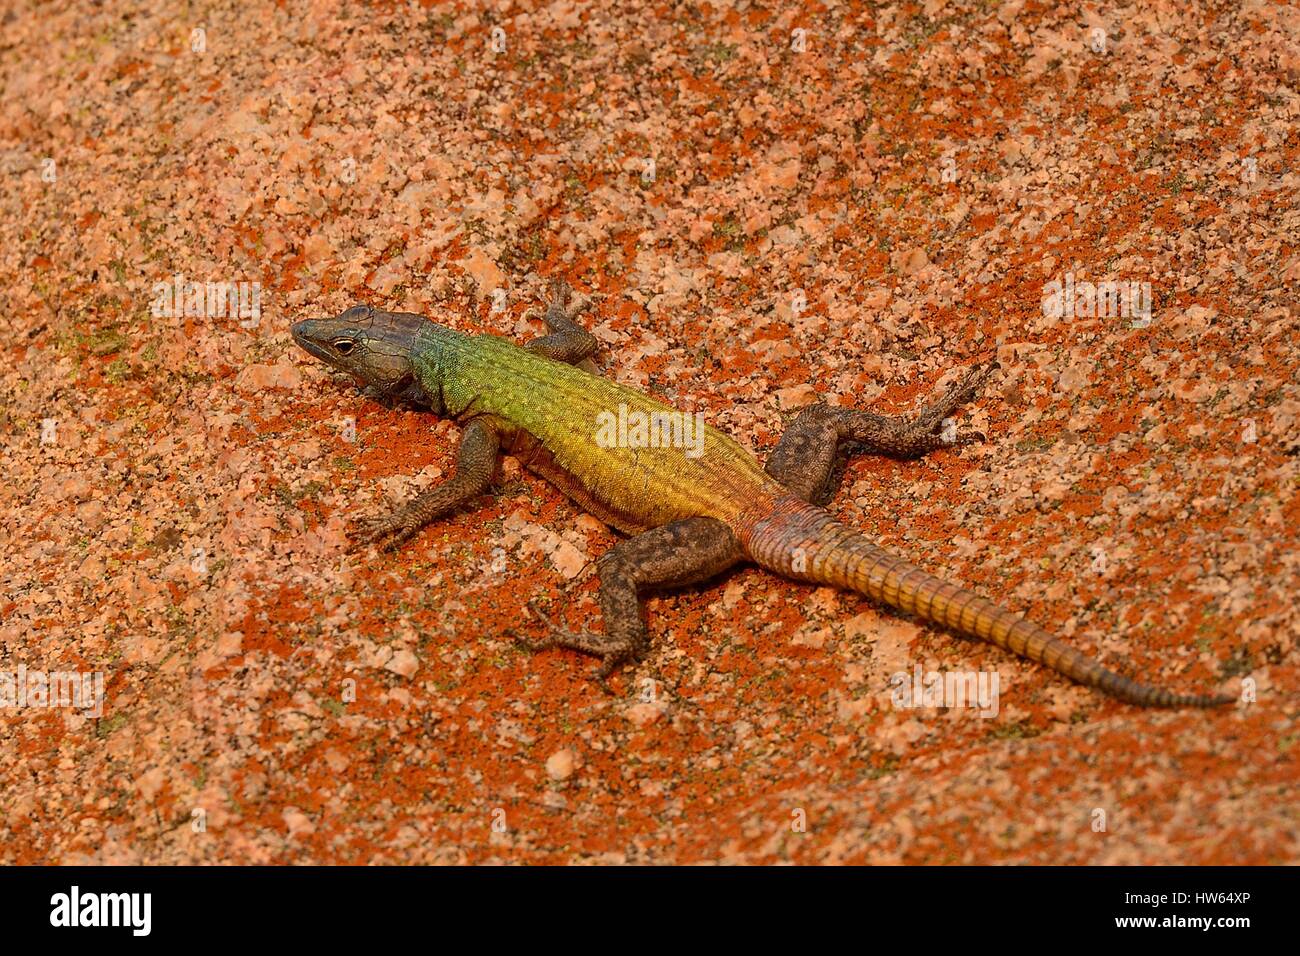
x,y
1194,700
1219,700
1145,696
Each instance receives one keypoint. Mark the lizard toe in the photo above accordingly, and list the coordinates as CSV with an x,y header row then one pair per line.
x,y
611,662
967,438
971,384
378,531
978,376
533,647
612,651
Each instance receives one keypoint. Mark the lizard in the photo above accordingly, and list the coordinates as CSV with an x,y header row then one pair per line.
x,y
686,517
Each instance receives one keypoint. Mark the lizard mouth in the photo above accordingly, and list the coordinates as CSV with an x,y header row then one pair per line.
x,y
301,332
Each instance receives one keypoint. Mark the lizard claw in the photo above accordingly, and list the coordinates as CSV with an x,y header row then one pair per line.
x,y
547,642
379,531
967,438
972,382
612,653
926,428
561,304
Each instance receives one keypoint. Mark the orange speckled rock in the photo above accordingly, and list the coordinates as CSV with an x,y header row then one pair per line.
x,y
858,209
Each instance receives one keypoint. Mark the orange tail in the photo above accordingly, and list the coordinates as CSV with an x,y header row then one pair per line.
x,y
801,541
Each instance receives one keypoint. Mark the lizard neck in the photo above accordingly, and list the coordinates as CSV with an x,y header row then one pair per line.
x,y
433,357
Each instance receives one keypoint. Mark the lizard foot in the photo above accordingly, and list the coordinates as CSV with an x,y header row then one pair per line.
x,y
377,394
612,651
927,431
561,302
963,437
963,393
971,384
381,531
559,308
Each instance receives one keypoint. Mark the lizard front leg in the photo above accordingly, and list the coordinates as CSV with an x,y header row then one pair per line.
x,y
475,461
805,456
568,341
669,556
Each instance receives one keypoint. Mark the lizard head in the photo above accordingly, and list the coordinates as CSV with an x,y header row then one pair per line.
x,y
373,346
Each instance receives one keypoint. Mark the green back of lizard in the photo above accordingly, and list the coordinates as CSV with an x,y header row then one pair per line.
x,y
602,434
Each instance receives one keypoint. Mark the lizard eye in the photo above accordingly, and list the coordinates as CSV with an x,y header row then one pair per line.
x,y
343,346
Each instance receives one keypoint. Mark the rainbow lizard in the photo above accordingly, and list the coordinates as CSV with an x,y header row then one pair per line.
x,y
692,508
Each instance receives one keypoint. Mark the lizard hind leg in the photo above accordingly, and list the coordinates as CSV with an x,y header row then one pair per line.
x,y
672,555
910,436
804,458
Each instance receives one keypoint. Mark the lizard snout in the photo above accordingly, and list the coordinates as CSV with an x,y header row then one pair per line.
x,y
308,334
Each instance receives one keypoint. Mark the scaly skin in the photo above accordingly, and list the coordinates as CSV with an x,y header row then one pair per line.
x,y
524,394
693,515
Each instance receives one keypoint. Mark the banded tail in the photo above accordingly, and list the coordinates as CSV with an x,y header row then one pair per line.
x,y
801,541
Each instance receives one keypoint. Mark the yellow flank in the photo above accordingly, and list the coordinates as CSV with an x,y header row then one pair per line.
x,y
630,451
